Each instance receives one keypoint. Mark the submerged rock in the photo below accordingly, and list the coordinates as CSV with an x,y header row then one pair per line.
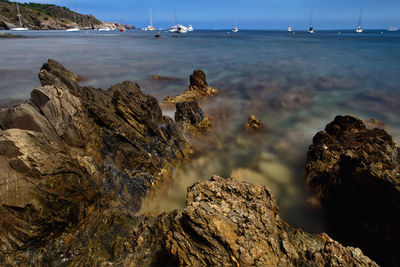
x,y
198,89
253,124
355,172
231,223
72,160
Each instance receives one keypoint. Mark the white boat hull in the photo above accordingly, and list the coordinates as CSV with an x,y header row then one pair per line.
x,y
235,29
19,29
73,30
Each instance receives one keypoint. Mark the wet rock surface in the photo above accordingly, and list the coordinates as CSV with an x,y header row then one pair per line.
x,y
188,112
76,163
198,89
231,223
354,171
192,120
253,124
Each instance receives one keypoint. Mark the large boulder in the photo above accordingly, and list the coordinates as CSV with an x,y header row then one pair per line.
x,y
231,223
198,89
73,158
355,173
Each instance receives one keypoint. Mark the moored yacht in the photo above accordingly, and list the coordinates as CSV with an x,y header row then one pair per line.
x,y
150,27
190,28
235,29
74,29
182,29
289,29
20,28
359,29
311,28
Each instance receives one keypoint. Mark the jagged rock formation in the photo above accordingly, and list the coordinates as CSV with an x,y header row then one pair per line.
x,y
355,172
188,112
231,223
37,16
198,89
192,119
253,124
76,161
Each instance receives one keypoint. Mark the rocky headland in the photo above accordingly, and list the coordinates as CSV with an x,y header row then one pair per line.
x,y
37,16
78,161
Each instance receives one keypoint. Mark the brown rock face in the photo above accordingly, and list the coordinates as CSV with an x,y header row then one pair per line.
x,y
188,112
355,172
231,223
73,159
198,89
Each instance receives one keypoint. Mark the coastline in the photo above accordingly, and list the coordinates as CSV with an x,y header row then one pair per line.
x,y
132,144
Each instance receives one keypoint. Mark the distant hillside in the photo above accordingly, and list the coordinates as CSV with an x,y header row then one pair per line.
x,y
46,17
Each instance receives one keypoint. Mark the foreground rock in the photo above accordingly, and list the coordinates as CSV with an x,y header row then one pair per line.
x,y
75,164
355,172
198,89
230,223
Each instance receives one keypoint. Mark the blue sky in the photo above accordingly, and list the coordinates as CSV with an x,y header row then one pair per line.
x,y
251,14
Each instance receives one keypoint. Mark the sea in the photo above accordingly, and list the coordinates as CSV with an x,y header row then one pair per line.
x,y
294,82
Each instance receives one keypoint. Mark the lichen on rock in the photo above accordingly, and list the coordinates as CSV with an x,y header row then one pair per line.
x,y
231,223
72,159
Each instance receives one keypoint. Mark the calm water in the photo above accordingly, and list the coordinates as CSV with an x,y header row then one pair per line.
x,y
295,83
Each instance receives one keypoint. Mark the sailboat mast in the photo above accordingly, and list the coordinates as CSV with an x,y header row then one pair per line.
x,y
75,16
359,20
19,16
151,18
311,18
175,17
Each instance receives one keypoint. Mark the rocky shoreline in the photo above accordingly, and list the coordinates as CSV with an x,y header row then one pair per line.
x,y
49,17
78,161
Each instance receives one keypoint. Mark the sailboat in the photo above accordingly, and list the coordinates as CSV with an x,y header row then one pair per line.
x,y
20,28
178,28
289,29
235,29
311,28
359,29
74,29
150,27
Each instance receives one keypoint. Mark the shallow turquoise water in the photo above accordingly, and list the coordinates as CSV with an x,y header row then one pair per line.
x,y
295,83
